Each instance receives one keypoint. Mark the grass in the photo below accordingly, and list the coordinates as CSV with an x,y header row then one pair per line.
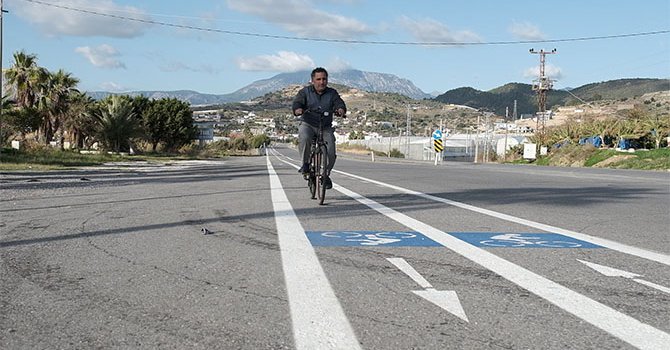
x,y
587,156
55,159
599,156
658,159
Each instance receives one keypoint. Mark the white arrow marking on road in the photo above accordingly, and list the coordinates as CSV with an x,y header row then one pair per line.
x,y
612,272
445,299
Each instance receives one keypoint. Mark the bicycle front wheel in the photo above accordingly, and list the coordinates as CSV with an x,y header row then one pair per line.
x,y
311,177
321,164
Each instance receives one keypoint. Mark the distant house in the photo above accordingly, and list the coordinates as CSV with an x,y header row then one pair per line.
x,y
205,131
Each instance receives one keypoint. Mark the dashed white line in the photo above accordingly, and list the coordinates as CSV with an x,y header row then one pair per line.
x,y
318,319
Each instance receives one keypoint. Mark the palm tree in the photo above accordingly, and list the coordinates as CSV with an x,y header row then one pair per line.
x,y
24,76
56,94
78,121
116,123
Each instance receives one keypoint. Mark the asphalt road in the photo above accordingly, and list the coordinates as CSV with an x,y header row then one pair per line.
x,y
403,255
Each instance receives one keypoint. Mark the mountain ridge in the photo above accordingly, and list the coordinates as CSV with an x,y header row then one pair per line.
x,y
369,81
495,100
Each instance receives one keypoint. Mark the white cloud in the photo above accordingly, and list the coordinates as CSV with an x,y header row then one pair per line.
x,y
429,30
526,31
338,64
283,61
300,17
181,66
103,56
55,21
550,71
111,86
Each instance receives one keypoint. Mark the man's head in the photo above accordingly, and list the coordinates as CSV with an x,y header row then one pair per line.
x,y
319,79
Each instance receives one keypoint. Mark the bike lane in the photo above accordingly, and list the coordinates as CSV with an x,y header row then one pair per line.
x,y
495,307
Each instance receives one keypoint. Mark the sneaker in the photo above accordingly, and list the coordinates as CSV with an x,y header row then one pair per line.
x,y
304,169
327,183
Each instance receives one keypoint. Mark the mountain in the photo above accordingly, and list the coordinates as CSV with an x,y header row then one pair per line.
x,y
498,99
368,81
193,97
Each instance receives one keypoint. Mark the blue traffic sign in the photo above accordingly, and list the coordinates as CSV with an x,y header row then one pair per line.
x,y
437,134
521,240
369,239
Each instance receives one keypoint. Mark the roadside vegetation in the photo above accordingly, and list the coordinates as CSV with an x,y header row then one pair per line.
x,y
633,139
589,156
54,125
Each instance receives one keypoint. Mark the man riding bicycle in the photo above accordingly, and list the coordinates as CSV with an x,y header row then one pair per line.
x,y
310,103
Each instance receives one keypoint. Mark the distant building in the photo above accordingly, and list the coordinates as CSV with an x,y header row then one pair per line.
x,y
205,132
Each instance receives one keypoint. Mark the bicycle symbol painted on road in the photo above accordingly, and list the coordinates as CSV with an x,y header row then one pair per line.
x,y
370,239
521,240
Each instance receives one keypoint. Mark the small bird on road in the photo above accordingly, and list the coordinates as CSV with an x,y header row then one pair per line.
x,y
205,231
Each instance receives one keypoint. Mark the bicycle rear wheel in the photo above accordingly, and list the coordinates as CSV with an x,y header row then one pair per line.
x,y
321,163
311,176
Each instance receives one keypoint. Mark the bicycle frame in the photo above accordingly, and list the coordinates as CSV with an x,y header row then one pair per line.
x,y
318,163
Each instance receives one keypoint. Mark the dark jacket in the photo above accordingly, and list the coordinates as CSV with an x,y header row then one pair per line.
x,y
314,104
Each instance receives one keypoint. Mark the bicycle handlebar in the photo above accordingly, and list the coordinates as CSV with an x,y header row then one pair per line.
x,y
322,114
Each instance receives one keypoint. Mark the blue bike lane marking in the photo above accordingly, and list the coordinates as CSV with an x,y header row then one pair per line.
x,y
369,239
416,239
521,240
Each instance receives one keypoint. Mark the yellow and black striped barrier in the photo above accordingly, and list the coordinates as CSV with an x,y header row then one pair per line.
x,y
437,145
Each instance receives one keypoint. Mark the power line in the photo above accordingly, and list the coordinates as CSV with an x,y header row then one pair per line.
x,y
345,41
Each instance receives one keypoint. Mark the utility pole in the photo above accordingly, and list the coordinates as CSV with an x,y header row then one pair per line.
x,y
486,145
506,132
2,10
477,140
2,87
541,86
514,113
409,129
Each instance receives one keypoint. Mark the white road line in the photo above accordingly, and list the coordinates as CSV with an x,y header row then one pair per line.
x,y
405,267
318,319
620,325
620,247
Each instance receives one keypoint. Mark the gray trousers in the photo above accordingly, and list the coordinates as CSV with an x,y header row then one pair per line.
x,y
305,134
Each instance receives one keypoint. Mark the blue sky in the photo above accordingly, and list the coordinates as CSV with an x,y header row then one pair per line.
x,y
113,54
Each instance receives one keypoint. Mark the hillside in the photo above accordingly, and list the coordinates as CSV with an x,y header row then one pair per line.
x,y
497,99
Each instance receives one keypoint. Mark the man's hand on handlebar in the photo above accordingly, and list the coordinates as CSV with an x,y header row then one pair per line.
x,y
298,112
340,113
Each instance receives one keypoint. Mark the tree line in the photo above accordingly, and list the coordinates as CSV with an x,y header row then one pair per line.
x,y
43,107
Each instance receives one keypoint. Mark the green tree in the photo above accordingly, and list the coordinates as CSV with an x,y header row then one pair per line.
x,y
56,93
259,140
658,127
154,123
6,120
79,123
169,121
116,123
17,120
24,76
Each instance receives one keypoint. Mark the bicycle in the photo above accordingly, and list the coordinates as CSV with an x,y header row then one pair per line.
x,y
318,163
